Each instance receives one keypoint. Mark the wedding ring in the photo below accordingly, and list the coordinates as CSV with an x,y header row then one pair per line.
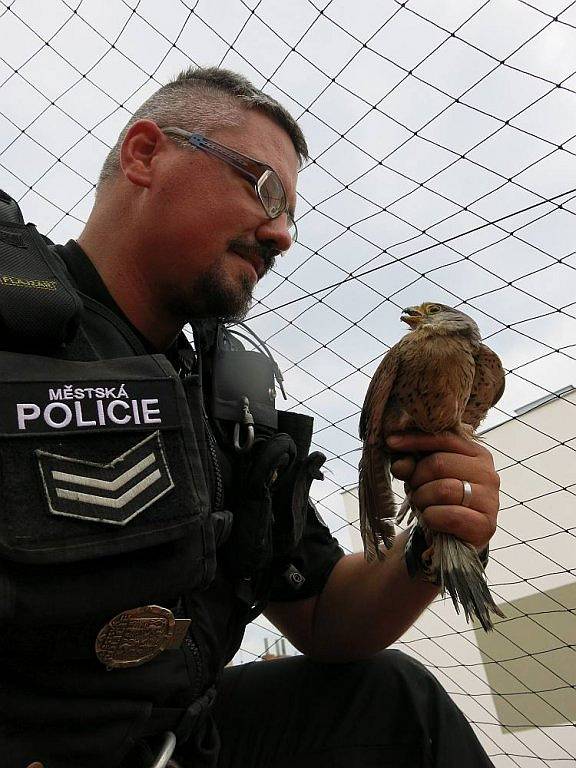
x,y
466,493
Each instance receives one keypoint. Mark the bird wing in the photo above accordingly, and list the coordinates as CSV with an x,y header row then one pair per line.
x,y
487,387
377,395
375,495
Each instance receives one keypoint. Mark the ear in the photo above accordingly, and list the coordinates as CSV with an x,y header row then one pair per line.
x,y
141,145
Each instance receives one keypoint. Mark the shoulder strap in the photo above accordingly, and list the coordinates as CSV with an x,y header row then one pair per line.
x,y
38,304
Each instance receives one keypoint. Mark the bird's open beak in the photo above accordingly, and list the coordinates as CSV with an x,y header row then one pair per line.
x,y
412,316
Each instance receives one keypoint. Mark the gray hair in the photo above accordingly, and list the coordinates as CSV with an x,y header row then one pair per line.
x,y
202,100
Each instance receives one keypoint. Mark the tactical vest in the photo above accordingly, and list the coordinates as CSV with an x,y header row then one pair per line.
x,y
107,470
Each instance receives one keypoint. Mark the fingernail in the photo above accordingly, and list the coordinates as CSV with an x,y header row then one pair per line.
x,y
394,440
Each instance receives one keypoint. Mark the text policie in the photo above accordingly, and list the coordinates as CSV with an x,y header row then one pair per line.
x,y
91,407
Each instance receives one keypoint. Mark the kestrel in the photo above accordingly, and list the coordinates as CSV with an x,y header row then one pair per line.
x,y
439,377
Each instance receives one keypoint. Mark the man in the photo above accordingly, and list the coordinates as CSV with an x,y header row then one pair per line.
x,y
184,225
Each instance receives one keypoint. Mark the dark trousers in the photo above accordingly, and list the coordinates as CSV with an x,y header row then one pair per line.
x,y
384,712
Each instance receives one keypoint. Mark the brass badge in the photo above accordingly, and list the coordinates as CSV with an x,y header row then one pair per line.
x,y
135,636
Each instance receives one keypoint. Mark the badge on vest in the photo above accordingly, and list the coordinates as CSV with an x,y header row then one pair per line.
x,y
135,636
112,493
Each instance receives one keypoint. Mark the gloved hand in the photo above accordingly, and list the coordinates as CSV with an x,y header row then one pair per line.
x,y
268,462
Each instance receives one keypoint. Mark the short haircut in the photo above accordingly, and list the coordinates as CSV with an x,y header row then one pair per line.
x,y
203,99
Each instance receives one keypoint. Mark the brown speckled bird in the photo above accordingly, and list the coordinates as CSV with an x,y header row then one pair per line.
x,y
439,377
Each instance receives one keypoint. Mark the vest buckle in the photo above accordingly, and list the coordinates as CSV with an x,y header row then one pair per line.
x,y
246,420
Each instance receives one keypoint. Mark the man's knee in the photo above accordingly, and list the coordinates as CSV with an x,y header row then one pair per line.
x,y
396,665
401,663
394,675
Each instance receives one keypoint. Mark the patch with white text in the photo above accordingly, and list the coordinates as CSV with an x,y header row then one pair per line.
x,y
111,493
44,408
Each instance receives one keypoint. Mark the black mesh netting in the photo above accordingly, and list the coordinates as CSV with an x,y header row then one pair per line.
x,y
443,167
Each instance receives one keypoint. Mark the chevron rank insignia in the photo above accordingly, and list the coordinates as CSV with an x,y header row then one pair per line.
x,y
111,493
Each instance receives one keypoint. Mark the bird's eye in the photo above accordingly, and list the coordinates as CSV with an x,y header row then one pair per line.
x,y
433,309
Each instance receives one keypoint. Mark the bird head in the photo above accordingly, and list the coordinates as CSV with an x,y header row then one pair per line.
x,y
440,318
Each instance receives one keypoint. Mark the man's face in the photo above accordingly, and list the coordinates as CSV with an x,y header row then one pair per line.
x,y
208,237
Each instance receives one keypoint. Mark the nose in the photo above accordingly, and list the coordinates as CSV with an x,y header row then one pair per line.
x,y
275,232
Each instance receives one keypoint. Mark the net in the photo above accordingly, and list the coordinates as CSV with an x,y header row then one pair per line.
x,y
443,168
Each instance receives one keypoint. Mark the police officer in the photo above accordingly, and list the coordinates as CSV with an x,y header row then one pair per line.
x,y
155,502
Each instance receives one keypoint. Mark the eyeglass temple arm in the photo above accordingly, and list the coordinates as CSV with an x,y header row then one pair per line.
x,y
201,142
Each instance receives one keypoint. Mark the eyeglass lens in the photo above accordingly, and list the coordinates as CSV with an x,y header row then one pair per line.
x,y
272,194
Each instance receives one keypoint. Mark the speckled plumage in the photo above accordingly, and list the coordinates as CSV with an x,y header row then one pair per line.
x,y
439,377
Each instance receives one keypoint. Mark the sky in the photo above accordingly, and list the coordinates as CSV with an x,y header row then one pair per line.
x,y
442,138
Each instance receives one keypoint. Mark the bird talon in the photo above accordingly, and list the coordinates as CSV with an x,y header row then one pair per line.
x,y
428,554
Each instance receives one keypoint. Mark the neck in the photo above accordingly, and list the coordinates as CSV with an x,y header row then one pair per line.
x,y
120,257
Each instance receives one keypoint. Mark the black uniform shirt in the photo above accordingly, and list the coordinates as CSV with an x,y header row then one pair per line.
x,y
318,551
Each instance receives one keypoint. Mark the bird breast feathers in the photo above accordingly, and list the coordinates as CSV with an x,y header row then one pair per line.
x,y
429,376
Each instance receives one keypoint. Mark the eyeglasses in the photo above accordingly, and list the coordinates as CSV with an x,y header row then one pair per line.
x,y
266,182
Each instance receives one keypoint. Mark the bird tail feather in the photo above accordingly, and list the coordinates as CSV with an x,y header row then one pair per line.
x,y
406,508
461,574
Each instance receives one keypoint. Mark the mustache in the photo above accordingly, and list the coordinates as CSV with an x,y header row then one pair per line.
x,y
261,251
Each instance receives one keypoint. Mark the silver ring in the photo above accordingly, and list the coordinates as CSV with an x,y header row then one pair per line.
x,y
466,493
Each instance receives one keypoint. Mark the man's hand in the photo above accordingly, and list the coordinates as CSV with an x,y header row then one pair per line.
x,y
435,482
365,607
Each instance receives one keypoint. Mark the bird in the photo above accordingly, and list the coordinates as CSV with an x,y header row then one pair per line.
x,y
438,378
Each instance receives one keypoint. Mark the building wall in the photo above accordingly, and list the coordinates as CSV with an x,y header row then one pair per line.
x,y
517,684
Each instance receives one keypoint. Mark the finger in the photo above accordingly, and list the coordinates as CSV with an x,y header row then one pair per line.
x,y
412,442
403,467
473,527
454,465
450,492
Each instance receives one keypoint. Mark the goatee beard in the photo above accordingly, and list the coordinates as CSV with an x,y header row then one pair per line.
x,y
214,296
